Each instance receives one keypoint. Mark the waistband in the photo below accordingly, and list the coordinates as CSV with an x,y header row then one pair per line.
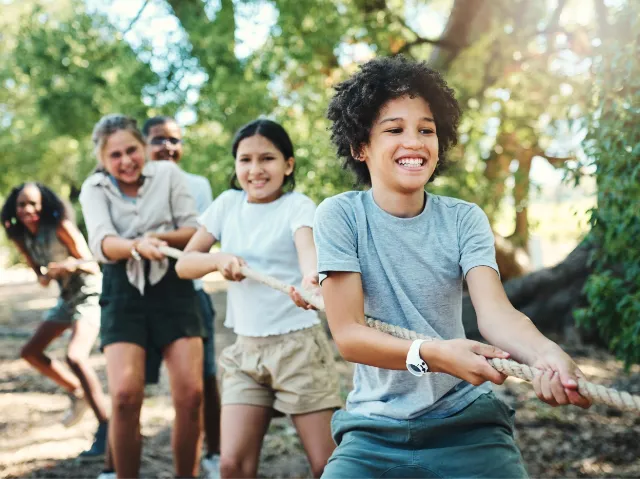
x,y
276,338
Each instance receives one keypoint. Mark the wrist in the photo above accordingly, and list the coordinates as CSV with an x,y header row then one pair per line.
x,y
429,352
541,350
135,254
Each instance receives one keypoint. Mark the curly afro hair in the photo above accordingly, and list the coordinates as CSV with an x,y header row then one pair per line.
x,y
358,101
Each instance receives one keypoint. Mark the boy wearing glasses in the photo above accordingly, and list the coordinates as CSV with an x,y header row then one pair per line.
x,y
164,142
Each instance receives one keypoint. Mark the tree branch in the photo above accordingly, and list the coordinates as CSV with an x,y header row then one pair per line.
x,y
136,18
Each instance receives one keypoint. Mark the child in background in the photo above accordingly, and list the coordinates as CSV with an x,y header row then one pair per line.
x,y
399,254
282,361
164,142
131,208
36,221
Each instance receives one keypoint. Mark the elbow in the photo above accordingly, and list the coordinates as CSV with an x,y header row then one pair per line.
x,y
346,345
180,269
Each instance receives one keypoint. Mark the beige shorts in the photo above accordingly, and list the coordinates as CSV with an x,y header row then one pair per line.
x,y
293,373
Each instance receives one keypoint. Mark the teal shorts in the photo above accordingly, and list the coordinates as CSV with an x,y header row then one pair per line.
x,y
64,312
475,442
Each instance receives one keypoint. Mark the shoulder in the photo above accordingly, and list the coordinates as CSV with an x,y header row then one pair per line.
x,y
163,169
347,202
340,209
454,208
196,179
295,199
229,197
95,179
448,202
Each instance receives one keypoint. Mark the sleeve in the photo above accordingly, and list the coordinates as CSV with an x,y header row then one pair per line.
x,y
336,239
213,216
206,196
97,218
476,241
183,206
302,212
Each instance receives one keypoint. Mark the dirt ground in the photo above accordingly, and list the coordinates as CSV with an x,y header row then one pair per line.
x,y
565,442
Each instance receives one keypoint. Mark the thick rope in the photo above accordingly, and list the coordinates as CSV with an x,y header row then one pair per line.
x,y
595,392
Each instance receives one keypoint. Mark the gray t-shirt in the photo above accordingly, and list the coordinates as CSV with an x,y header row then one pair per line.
x,y
412,273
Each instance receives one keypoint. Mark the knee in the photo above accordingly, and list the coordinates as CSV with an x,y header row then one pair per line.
x,y
317,468
28,352
231,466
74,360
127,400
189,398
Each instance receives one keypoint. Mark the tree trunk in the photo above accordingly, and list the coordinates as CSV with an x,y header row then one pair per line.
x,y
457,33
547,296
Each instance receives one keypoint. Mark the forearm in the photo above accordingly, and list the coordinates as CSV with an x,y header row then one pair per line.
x,y
515,333
194,264
177,238
116,248
306,248
358,343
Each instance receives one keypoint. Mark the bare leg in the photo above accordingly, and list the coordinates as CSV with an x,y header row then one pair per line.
x,y
314,430
125,373
183,358
212,415
82,339
33,353
243,430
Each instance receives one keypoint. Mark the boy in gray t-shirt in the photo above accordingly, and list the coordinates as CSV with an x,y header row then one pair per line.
x,y
399,254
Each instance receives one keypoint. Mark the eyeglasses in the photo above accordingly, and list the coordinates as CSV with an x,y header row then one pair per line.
x,y
161,140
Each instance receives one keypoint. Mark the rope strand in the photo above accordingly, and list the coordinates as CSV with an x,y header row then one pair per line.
x,y
595,392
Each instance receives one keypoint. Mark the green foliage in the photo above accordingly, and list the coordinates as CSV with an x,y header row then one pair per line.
x,y
613,289
62,69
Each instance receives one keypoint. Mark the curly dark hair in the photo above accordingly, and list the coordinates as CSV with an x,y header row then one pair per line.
x,y
52,214
358,101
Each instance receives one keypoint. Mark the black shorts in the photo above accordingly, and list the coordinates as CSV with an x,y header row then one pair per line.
x,y
167,311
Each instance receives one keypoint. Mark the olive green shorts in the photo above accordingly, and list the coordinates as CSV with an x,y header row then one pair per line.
x,y
166,312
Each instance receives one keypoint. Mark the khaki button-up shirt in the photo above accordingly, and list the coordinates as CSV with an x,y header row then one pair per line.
x,y
163,204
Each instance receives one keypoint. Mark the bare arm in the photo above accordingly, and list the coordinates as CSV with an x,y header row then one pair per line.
x,y
501,324
71,237
357,343
178,238
197,261
116,248
344,302
306,248
32,264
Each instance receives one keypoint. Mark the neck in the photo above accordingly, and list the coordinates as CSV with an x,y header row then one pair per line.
x,y
129,189
401,205
32,228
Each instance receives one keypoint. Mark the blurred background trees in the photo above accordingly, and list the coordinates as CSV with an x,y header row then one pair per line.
x,y
549,88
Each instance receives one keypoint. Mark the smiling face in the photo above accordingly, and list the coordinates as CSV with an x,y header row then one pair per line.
x,y
165,142
261,169
29,207
402,153
123,157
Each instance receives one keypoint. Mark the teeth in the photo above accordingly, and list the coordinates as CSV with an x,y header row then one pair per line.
x,y
411,161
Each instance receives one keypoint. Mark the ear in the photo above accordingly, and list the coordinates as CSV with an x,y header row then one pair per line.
x,y
358,156
290,162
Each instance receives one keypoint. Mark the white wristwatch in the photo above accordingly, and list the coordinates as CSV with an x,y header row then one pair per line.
x,y
415,364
